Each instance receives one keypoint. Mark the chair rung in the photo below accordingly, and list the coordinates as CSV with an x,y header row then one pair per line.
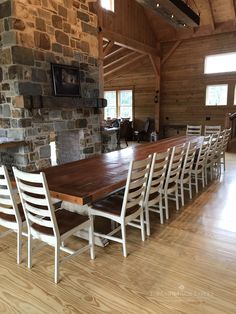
x,y
106,236
134,225
154,210
72,252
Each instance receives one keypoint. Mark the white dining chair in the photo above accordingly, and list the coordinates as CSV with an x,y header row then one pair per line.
x,y
211,129
184,180
211,155
198,170
11,213
194,130
216,163
129,209
170,187
45,223
153,196
226,138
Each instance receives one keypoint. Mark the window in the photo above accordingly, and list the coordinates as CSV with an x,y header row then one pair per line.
x,y
216,95
108,5
119,104
220,63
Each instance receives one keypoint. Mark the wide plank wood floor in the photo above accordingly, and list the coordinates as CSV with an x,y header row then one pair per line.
x,y
187,266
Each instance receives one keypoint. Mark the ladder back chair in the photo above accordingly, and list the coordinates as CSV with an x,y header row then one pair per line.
x,y
216,164
211,129
184,180
45,223
211,153
124,211
199,167
227,134
11,214
194,130
170,187
153,197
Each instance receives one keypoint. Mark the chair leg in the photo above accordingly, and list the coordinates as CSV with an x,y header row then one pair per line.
x,y
57,263
166,206
161,211
19,239
91,238
206,176
29,250
147,221
123,233
190,188
203,178
177,199
196,183
142,227
182,194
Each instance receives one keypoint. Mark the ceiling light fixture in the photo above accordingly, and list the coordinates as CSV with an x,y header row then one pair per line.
x,y
176,12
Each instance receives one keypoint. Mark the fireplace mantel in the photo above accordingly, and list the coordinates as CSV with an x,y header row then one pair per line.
x,y
52,102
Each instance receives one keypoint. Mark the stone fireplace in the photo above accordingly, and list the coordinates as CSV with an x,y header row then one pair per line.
x,y
34,34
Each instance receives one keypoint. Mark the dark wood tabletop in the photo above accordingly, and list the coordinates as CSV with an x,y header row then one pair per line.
x,y
87,180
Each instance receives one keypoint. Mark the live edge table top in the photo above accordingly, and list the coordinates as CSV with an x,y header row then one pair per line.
x,y
88,180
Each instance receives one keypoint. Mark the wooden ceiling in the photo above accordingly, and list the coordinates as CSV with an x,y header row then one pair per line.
x,y
127,44
216,16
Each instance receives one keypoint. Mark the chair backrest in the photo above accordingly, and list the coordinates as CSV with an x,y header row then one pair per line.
x,y
212,147
174,167
156,176
125,129
188,160
37,205
227,134
136,185
194,130
220,145
212,129
8,204
202,153
147,125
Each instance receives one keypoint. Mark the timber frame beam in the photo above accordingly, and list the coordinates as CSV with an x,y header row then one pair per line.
x,y
129,43
172,50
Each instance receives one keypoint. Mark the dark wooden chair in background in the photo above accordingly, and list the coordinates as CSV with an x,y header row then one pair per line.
x,y
145,133
126,130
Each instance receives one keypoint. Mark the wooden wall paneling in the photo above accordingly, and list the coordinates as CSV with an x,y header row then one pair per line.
x,y
142,78
183,83
129,20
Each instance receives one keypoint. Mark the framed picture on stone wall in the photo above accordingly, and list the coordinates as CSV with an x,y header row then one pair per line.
x,y
66,80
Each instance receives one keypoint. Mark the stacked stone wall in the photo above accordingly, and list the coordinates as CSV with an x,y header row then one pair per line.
x,y
33,35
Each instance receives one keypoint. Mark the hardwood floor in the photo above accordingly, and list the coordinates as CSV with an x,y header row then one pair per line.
x,y
188,265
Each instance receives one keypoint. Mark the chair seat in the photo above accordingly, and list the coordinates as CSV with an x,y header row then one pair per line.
x,y
113,205
12,218
66,221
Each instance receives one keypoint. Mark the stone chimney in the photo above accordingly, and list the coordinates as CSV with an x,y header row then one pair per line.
x,y
34,34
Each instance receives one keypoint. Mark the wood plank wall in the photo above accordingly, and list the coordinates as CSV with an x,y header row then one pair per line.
x,y
142,80
183,82
129,20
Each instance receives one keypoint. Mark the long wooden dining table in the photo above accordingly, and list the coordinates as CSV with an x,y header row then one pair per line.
x,y
84,181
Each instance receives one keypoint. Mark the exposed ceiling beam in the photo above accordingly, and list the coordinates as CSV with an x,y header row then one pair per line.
x,y
129,43
172,50
131,67
130,54
108,48
155,61
123,65
119,50
211,15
